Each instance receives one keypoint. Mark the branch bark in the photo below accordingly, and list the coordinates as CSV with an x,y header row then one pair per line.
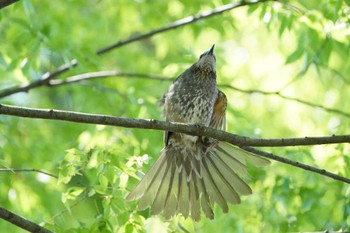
x,y
240,141
5,3
71,116
21,222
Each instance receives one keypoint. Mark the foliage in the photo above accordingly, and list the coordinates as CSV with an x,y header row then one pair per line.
x,y
298,49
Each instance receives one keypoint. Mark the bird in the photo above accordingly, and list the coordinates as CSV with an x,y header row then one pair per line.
x,y
193,173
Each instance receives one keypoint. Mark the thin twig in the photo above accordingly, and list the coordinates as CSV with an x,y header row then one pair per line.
x,y
277,93
113,73
297,164
294,8
178,127
325,231
21,222
180,23
105,74
27,170
336,72
44,80
70,207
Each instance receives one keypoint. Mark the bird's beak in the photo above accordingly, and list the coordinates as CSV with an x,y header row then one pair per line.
x,y
211,51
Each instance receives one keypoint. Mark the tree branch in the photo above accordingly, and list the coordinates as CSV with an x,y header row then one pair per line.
x,y
336,72
325,231
106,74
297,164
27,170
22,222
112,73
180,23
278,93
5,3
71,116
183,128
45,79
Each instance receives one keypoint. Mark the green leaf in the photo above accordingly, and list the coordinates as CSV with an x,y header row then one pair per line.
x,y
107,162
283,26
326,52
298,53
129,228
103,181
28,7
252,8
73,192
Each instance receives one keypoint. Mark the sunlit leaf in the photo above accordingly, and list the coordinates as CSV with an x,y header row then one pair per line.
x,y
295,55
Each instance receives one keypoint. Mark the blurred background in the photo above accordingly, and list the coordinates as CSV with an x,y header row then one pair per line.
x,y
284,66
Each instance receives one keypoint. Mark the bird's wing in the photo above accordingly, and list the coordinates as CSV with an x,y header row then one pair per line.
x,y
218,121
166,137
218,118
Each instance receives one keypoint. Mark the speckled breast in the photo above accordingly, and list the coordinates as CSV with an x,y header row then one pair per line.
x,y
190,99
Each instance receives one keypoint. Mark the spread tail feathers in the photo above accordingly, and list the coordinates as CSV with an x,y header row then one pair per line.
x,y
186,180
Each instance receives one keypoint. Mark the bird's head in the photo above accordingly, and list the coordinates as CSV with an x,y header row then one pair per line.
x,y
207,60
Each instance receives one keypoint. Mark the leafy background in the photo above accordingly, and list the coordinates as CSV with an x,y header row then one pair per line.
x,y
298,49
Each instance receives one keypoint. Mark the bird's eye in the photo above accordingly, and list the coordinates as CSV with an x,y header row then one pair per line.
x,y
201,56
